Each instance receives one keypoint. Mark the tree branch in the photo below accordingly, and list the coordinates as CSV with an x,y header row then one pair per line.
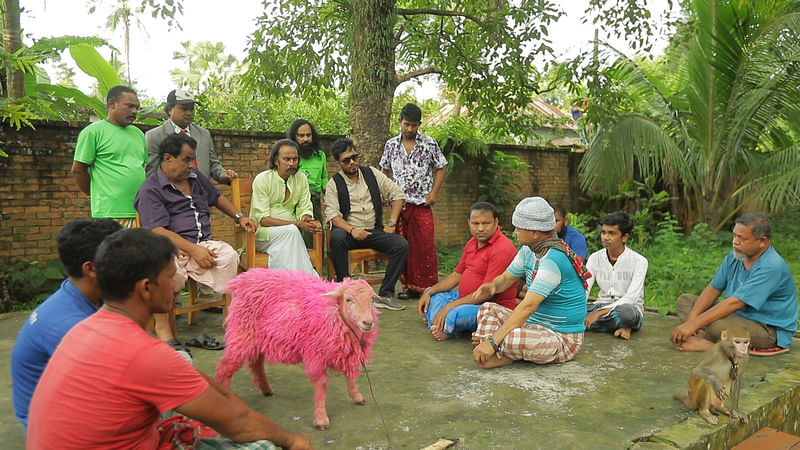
x,y
398,35
403,77
438,12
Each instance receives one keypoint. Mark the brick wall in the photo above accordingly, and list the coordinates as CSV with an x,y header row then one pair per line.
x,y
38,195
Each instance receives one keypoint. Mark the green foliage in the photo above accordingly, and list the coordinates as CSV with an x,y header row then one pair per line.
x,y
89,61
208,67
30,283
499,180
458,138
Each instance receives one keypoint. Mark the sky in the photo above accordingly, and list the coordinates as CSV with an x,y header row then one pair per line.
x,y
152,49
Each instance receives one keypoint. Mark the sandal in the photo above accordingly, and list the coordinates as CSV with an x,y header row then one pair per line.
x,y
205,341
768,351
406,294
176,344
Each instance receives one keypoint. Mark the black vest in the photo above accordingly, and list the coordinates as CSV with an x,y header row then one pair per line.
x,y
374,192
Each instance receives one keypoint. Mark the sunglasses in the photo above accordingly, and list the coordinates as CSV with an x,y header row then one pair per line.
x,y
350,159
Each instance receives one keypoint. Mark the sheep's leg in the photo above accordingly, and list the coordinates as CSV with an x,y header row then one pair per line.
x,y
320,383
227,366
352,390
256,367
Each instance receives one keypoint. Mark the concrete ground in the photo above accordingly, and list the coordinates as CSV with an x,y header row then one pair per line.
x,y
612,395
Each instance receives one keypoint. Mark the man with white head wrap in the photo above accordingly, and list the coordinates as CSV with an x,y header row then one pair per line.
x,y
547,326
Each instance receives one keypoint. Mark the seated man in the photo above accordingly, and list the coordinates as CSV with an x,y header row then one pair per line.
x,y
354,208
76,299
619,272
108,381
281,206
570,235
547,326
176,202
486,255
760,295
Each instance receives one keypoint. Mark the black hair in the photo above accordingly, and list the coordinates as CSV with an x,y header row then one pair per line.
x,y
759,224
411,113
619,218
292,133
78,241
173,145
273,154
128,256
116,92
559,208
340,146
483,206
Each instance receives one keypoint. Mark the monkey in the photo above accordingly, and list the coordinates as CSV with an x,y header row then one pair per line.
x,y
710,382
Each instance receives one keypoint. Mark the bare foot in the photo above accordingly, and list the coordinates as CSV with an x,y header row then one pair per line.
x,y
695,344
623,333
440,335
497,362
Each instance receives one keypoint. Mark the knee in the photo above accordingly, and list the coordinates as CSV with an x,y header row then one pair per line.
x,y
401,245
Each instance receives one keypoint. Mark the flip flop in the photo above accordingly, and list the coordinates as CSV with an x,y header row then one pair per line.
x,y
406,294
205,341
768,351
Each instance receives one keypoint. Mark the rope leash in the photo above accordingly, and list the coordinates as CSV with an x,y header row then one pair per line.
x,y
377,405
734,402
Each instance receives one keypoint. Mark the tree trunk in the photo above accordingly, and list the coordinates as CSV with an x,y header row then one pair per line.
x,y
15,79
373,76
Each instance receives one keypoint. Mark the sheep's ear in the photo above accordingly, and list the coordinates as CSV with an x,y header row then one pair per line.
x,y
336,293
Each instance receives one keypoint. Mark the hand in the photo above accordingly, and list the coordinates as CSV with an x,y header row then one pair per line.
x,y
299,442
681,333
482,352
438,319
307,223
203,256
423,302
248,224
230,174
359,234
430,199
592,318
388,229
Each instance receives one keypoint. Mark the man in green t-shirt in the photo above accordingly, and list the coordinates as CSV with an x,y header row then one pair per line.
x,y
313,162
110,157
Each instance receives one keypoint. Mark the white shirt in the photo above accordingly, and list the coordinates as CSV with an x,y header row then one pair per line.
x,y
621,283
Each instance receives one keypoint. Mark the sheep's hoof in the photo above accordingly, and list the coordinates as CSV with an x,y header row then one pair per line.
x,y
322,426
267,394
322,422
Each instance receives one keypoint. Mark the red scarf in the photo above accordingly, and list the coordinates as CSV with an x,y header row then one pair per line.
x,y
542,247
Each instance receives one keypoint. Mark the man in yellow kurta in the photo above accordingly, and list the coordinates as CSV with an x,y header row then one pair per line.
x,y
281,205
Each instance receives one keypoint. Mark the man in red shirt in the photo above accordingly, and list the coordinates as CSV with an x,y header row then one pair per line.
x,y
449,313
109,381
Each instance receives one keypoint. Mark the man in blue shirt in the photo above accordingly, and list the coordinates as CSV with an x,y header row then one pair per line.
x,y
548,325
760,295
76,299
570,235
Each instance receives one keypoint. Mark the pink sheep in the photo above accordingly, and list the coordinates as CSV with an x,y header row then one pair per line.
x,y
283,316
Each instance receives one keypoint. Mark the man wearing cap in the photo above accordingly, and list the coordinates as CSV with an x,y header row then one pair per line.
x,y
180,109
548,325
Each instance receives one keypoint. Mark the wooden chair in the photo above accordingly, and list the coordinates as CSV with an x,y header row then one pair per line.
x,y
195,304
241,191
357,259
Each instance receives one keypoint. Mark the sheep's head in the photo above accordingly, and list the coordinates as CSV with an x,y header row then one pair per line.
x,y
354,299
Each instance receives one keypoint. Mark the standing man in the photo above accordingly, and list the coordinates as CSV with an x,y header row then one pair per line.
x,y
570,235
313,163
449,313
547,326
353,204
760,296
180,109
281,206
109,159
620,273
416,164
109,380
78,298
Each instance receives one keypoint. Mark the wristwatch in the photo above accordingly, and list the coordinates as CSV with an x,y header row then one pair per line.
x,y
237,216
391,223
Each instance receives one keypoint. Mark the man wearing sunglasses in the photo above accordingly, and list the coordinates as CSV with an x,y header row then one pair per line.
x,y
353,205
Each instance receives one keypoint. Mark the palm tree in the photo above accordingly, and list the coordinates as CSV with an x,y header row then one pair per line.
x,y
207,66
723,134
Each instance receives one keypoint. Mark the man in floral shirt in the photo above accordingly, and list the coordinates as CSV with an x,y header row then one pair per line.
x,y
416,164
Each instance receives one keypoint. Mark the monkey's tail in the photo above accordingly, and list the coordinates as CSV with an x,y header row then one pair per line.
x,y
686,400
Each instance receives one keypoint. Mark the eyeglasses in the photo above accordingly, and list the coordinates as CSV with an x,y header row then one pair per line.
x,y
349,159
